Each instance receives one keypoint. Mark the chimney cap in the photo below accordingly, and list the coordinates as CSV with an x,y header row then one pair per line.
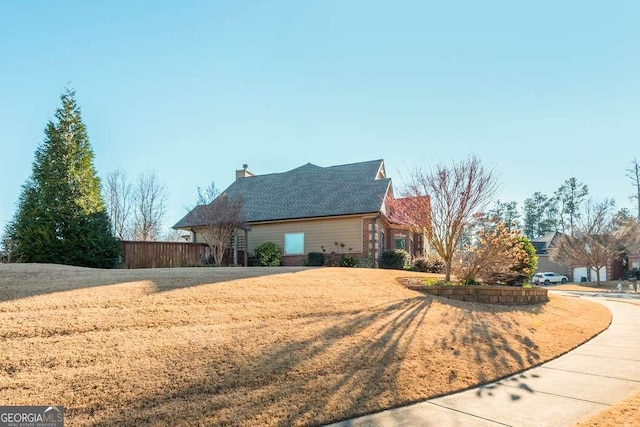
x,y
245,166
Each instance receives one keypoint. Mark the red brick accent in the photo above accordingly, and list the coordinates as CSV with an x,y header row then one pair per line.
x,y
370,247
298,260
635,258
293,260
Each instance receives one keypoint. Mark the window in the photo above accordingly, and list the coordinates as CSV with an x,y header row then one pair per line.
x,y
294,243
635,264
400,243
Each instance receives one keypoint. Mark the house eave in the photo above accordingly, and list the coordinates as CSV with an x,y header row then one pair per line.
x,y
312,218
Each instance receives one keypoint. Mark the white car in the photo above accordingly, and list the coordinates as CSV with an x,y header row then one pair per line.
x,y
548,278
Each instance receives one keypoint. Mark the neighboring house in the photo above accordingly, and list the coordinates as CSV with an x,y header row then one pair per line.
x,y
575,273
613,271
542,245
633,257
311,208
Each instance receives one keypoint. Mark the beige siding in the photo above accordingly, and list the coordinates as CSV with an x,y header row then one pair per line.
x,y
545,264
198,236
317,233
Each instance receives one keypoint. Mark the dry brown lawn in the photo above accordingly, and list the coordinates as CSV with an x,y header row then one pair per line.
x,y
576,287
624,414
257,346
609,286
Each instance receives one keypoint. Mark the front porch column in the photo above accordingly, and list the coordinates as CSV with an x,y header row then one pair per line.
x,y
374,255
246,247
235,247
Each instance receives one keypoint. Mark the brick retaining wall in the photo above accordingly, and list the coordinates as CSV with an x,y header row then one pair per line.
x,y
501,295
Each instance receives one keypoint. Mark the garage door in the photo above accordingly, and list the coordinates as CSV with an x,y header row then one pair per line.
x,y
580,272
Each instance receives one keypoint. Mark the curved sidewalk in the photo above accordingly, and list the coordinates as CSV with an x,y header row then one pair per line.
x,y
562,392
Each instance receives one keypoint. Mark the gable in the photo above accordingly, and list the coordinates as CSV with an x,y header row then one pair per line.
x,y
544,243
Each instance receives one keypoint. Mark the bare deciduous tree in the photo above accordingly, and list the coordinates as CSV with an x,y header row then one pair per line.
x,y
207,194
219,219
137,209
119,202
456,192
8,246
634,174
172,235
411,211
599,238
150,206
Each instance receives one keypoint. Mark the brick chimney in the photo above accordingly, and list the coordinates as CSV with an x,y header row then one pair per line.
x,y
243,173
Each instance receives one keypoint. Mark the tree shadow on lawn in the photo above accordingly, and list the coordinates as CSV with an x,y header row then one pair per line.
x,y
27,280
292,382
489,345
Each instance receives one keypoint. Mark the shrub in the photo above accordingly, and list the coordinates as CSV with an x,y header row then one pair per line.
x,y
529,264
433,281
498,256
315,259
634,273
469,281
332,260
268,254
365,262
395,259
431,264
348,261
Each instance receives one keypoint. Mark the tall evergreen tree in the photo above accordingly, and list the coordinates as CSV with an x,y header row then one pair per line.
x,y
507,213
570,195
539,213
61,217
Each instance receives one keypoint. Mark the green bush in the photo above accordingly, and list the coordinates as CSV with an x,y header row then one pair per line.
x,y
315,259
469,281
431,264
268,254
395,259
332,260
433,281
348,261
365,262
632,274
526,269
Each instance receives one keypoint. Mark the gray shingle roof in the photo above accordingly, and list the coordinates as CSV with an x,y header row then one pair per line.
x,y
543,243
306,192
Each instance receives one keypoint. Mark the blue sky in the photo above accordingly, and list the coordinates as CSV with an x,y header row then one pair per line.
x,y
541,92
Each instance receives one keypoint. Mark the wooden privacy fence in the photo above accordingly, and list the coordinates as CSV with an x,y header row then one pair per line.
x,y
163,254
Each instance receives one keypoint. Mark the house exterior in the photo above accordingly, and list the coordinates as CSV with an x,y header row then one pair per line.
x,y
542,245
338,209
576,273
633,258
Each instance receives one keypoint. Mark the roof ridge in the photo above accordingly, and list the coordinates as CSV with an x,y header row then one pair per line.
x,y
313,164
355,163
